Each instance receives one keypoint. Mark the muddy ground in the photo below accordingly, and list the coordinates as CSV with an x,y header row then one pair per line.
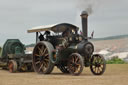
x,y
114,75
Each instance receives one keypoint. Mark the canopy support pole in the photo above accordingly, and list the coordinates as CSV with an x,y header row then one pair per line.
x,y
36,37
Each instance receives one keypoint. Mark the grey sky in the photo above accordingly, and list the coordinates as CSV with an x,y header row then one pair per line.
x,y
109,17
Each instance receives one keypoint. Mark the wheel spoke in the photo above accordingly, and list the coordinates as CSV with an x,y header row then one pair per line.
x,y
37,55
42,47
98,70
101,68
95,68
46,55
38,62
75,58
100,60
40,67
46,59
44,51
77,64
72,60
40,51
45,64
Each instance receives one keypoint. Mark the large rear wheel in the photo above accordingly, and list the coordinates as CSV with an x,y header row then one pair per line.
x,y
41,58
75,64
98,64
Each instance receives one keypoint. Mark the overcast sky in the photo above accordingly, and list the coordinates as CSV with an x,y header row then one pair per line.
x,y
108,18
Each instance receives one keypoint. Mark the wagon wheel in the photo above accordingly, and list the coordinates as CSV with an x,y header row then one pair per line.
x,y
75,64
63,68
12,66
98,64
41,58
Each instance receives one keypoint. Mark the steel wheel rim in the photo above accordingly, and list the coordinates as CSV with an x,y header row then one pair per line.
x,y
40,58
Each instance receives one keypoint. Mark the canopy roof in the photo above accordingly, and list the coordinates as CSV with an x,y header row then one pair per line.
x,y
55,28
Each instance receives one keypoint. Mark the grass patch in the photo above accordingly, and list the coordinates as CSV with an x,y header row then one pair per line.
x,y
116,60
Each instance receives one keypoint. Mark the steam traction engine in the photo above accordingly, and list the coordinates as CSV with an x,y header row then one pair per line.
x,y
13,57
60,45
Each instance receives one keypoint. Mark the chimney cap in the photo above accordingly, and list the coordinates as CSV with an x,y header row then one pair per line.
x,y
84,13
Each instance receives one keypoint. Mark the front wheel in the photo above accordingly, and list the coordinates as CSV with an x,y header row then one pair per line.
x,y
12,66
98,64
75,64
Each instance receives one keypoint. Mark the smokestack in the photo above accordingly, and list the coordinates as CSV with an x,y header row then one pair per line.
x,y
84,16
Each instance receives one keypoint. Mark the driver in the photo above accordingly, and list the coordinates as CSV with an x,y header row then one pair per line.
x,y
64,42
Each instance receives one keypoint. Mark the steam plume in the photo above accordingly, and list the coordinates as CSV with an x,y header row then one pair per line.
x,y
87,5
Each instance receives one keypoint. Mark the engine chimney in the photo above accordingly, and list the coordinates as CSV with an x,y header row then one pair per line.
x,y
84,16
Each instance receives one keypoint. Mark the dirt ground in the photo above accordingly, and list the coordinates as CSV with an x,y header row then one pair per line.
x,y
114,75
